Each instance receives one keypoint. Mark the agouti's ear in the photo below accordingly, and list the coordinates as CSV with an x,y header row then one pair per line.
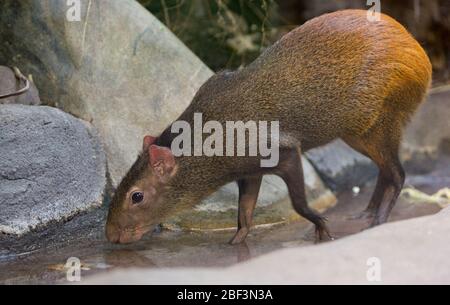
x,y
148,140
162,161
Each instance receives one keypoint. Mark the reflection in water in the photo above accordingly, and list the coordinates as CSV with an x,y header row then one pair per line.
x,y
126,258
243,252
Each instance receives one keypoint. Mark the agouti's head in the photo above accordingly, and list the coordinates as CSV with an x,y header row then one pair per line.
x,y
139,203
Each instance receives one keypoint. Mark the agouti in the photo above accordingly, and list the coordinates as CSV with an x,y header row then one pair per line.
x,y
337,76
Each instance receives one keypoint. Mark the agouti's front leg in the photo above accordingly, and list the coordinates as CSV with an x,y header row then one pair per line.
x,y
248,195
290,169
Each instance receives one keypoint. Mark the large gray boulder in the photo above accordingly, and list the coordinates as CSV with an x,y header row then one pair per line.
x,y
52,167
118,67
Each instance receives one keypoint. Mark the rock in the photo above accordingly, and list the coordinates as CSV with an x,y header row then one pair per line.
x,y
52,167
340,166
403,253
118,67
10,84
428,132
221,209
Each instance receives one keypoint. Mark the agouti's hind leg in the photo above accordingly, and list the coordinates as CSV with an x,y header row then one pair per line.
x,y
382,147
291,171
391,179
248,195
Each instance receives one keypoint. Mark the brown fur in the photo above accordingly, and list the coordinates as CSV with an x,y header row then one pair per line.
x,y
337,76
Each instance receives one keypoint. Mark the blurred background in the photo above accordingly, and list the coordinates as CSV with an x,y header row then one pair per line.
x,y
228,34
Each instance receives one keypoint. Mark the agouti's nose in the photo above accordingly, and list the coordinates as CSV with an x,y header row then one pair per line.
x,y
112,234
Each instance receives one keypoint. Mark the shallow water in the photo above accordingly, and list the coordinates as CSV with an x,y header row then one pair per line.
x,y
175,249
40,258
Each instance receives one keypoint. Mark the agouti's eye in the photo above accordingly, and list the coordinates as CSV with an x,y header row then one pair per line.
x,y
137,197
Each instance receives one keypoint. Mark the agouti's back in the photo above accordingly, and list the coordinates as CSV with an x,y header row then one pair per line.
x,y
337,74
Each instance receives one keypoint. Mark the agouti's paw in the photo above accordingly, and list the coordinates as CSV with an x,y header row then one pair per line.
x,y
323,234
